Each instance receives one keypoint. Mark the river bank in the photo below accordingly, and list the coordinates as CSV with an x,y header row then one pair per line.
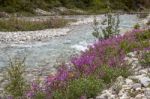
x,y
42,72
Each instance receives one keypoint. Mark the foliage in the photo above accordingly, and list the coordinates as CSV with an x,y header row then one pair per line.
x,y
84,86
96,5
14,24
144,35
136,26
16,83
110,26
87,86
110,74
145,59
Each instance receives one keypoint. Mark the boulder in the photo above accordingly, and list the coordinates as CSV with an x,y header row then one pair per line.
x,y
42,12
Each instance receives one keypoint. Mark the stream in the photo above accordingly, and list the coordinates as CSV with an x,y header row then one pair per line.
x,y
58,49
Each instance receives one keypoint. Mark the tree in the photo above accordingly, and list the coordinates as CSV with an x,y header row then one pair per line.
x,y
111,26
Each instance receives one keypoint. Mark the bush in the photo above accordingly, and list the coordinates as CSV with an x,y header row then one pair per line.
x,y
145,59
17,85
110,74
136,26
143,36
112,26
86,86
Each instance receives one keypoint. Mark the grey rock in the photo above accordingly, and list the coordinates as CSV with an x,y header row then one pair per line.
x,y
145,81
139,96
1,79
124,96
147,93
129,81
136,85
103,96
144,71
42,12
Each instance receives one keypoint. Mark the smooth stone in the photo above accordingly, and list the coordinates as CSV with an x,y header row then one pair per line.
x,y
145,81
103,96
138,89
139,96
124,96
129,81
143,71
137,76
104,91
126,87
1,78
120,80
132,54
112,97
1,89
136,85
121,92
147,93
134,59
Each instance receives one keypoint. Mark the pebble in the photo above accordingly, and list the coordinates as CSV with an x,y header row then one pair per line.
x,y
139,96
145,81
103,96
136,85
124,96
129,81
147,93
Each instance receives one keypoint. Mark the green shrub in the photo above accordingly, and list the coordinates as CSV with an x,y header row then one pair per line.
x,y
143,36
128,46
40,95
111,73
145,61
86,86
136,26
58,95
16,83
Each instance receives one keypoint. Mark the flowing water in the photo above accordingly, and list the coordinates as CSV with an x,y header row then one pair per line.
x,y
58,48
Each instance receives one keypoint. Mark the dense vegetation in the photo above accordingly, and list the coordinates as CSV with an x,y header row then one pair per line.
x,y
29,5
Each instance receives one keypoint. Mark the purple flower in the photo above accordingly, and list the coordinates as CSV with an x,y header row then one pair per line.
x,y
10,97
30,94
62,75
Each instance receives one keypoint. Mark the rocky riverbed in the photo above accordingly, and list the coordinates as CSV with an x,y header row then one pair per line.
x,y
30,36
41,35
